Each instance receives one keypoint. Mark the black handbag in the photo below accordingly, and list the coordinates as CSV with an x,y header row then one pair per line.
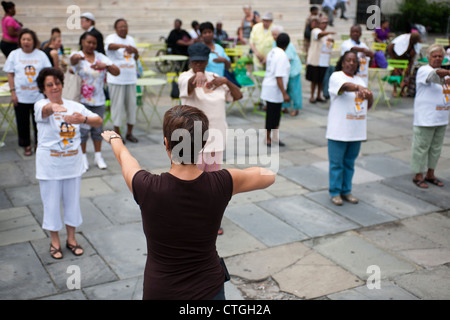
x,y
175,92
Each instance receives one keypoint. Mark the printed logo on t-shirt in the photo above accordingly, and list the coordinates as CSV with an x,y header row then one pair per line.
x,y
127,55
446,91
30,72
67,132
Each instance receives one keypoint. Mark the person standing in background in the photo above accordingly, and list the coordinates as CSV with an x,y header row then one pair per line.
x,y
329,7
364,53
92,67
431,112
121,49
249,20
261,41
23,66
319,58
10,29
341,5
88,24
274,85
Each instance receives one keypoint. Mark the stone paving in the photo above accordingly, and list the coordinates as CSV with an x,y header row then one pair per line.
x,y
285,242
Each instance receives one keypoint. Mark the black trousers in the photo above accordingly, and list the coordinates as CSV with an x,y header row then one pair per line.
x,y
7,47
23,111
273,115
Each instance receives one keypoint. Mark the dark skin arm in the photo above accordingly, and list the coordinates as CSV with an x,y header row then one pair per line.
x,y
363,93
280,84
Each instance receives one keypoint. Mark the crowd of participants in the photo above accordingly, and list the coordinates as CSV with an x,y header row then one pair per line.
x,y
199,187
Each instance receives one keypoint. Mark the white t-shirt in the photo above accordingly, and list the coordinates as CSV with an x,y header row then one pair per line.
x,y
26,68
319,53
364,61
92,81
58,155
194,34
212,103
345,123
278,65
124,60
431,104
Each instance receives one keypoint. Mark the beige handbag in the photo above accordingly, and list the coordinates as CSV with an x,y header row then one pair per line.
x,y
72,86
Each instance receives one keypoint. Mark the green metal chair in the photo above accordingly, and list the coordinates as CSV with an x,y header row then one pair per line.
x,y
398,79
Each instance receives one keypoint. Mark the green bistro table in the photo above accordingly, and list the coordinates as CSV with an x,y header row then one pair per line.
x,y
147,92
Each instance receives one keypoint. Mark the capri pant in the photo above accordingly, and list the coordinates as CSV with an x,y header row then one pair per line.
x,y
52,191
123,99
96,133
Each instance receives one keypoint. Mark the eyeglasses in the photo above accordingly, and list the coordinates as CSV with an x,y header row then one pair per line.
x,y
51,84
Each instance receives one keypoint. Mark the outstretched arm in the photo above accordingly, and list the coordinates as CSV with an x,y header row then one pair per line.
x,y
251,179
129,164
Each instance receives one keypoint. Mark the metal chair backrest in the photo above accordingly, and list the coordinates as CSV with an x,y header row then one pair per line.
x,y
398,64
441,41
379,46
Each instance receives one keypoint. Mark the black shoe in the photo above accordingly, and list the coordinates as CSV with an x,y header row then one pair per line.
x,y
281,144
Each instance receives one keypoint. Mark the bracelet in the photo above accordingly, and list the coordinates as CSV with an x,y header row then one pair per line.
x,y
85,120
114,136
13,89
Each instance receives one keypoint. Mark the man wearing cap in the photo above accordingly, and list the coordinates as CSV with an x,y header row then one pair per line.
x,y
88,25
261,41
208,92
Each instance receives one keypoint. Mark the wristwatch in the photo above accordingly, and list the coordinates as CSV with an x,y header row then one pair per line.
x,y
114,136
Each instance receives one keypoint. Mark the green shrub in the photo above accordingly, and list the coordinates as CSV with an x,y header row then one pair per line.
x,y
432,15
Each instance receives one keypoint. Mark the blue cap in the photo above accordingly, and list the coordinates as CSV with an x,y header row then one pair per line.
x,y
199,52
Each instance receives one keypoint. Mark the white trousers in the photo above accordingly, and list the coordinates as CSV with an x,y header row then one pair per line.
x,y
52,192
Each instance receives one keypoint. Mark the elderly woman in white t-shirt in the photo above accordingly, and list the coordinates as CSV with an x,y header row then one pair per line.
x,y
59,164
431,112
23,66
347,126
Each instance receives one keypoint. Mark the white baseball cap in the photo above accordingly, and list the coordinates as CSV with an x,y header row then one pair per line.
x,y
88,15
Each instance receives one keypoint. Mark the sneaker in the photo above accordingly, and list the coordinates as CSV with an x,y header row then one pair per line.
x,y
100,163
85,162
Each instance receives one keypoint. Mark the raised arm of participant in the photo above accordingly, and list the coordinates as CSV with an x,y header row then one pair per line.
x,y
251,179
128,163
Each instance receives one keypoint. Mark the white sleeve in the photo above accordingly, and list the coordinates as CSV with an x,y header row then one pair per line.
x,y
9,64
108,41
38,106
346,46
105,59
45,61
335,84
183,80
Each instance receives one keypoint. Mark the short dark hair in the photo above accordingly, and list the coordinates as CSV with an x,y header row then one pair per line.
x,y
283,40
341,60
7,5
206,26
33,35
87,33
194,23
185,117
119,20
55,30
58,74
313,8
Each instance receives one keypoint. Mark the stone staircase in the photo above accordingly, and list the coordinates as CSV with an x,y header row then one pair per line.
x,y
151,19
